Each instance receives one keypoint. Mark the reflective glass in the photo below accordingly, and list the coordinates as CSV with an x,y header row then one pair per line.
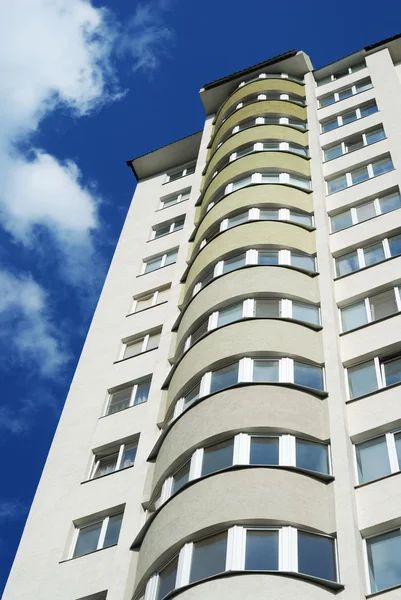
x,y
120,400
374,254
329,125
223,378
395,245
354,144
303,261
265,370
142,392
347,263
208,557
237,219
361,87
308,375
192,395
268,214
333,152
199,332
365,211
353,316
312,456
325,101
167,579
266,257
113,530
236,262
383,305
264,451
384,552
397,439
362,379
160,231
301,218
316,556
229,314
341,221
88,538
153,341
267,308
375,136
345,93
337,184
217,457
128,457
171,257
106,465
368,110
153,264
349,117
372,459
305,312
180,478
392,371
390,202
359,175
382,166
261,552
133,348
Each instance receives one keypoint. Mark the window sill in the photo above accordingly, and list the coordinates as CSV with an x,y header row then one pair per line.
x,y
107,474
163,236
154,270
383,389
369,324
171,205
390,589
362,485
122,410
116,362
210,144
87,554
380,262
359,183
147,308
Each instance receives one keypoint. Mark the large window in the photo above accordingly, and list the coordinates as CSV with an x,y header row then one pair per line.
x,y
384,560
96,535
369,255
378,457
347,92
375,374
269,256
256,308
342,73
113,459
272,76
348,117
268,119
246,449
141,344
159,261
167,201
181,172
128,396
149,299
371,309
354,143
162,229
366,210
267,95
359,174
251,548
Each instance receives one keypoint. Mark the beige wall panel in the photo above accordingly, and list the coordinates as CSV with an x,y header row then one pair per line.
x,y
260,337
357,236
378,503
252,163
374,413
374,340
254,195
339,134
252,408
350,161
251,235
256,496
383,274
357,193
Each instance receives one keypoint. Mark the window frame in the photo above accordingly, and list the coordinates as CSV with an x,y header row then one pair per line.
x,y
102,535
353,88
354,214
348,174
183,170
332,77
366,561
395,464
379,362
368,309
155,299
172,227
145,337
182,196
163,257
134,390
119,450
360,253
344,143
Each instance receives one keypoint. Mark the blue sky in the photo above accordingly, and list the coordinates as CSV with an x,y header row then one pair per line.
x,y
83,87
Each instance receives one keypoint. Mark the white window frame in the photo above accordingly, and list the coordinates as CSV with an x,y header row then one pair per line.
x,y
348,175
344,143
366,559
236,555
339,118
162,263
180,197
102,535
171,226
361,256
395,467
154,302
119,450
184,170
379,362
132,398
145,342
368,308
333,77
340,91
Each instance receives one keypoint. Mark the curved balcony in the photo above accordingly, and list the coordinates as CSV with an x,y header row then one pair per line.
x,y
260,161
274,408
280,107
256,496
250,338
257,87
244,283
250,196
250,235
251,135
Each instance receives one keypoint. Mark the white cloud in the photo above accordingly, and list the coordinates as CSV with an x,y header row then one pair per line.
x,y
11,510
26,332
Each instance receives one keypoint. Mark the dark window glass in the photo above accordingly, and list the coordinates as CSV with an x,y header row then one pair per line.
x,y
208,557
308,375
113,530
180,478
384,552
312,456
261,550
264,451
88,538
167,579
217,457
223,378
316,556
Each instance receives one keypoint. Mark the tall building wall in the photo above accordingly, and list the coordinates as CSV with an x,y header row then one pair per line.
x,y
231,429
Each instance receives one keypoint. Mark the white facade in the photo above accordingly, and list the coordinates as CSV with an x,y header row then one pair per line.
x,y
291,381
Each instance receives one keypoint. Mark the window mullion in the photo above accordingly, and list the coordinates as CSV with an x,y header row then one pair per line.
x,y
361,258
133,395
145,342
195,468
166,490
212,321
370,170
205,384
103,531
120,456
251,257
184,565
368,310
286,308
392,452
354,216
245,370
397,297
241,449
381,381
248,308
386,248
151,588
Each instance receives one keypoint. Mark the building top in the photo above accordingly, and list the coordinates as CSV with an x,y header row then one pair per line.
x,y
167,157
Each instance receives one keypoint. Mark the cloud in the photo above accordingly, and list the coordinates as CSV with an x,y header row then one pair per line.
x,y
26,332
12,510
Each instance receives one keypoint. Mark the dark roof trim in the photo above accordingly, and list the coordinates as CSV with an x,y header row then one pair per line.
x,y
386,41
129,164
260,65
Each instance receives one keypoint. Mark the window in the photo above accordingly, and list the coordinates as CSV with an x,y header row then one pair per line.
x,y
348,117
129,396
138,345
270,119
162,260
366,210
175,199
150,299
182,172
273,146
384,563
267,177
370,255
373,375
97,535
246,449
273,76
342,73
250,548
114,459
165,228
354,143
360,86
372,308
378,457
360,174
252,98
249,370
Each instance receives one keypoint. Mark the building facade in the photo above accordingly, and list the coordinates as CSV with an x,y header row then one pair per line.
x,y
233,428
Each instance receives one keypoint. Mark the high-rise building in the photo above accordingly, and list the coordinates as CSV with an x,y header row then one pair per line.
x,y
233,429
